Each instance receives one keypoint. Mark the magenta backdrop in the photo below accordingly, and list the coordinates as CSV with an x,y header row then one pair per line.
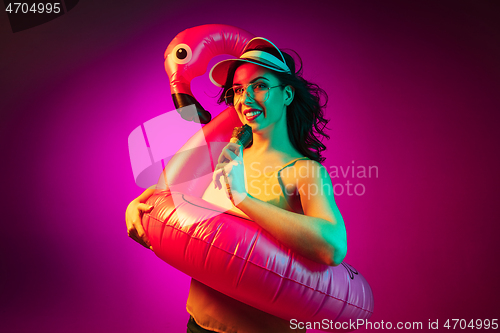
x,y
414,91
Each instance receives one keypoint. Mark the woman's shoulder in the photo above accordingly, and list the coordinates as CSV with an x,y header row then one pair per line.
x,y
310,165
306,170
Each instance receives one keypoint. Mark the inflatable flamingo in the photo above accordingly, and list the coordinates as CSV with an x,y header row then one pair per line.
x,y
187,57
229,253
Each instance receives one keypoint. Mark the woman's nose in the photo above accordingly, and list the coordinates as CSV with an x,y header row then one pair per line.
x,y
247,96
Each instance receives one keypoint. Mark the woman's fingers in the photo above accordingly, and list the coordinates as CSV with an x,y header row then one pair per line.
x,y
217,174
140,232
222,169
136,232
144,241
139,240
234,147
134,225
227,156
230,152
145,208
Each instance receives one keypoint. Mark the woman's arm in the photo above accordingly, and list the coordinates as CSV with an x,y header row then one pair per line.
x,y
133,217
319,234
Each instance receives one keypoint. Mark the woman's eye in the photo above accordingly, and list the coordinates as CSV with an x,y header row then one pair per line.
x,y
259,87
238,90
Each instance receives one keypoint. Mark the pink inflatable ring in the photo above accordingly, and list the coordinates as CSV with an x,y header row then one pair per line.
x,y
238,258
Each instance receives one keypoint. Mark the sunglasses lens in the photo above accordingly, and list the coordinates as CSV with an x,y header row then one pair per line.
x,y
257,91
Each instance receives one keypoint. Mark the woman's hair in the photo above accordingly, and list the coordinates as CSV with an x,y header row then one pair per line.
x,y
305,121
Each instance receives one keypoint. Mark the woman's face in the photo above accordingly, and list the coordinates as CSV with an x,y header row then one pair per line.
x,y
260,115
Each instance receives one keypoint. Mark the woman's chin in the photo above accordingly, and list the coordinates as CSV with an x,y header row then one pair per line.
x,y
256,127
255,124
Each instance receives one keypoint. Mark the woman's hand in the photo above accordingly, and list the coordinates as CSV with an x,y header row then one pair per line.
x,y
230,165
133,218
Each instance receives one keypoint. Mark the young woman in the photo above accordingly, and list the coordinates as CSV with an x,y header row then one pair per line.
x,y
278,181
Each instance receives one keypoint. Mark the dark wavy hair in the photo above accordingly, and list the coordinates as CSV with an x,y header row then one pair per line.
x,y
305,121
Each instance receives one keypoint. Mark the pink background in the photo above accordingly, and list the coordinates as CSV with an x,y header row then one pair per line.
x,y
414,90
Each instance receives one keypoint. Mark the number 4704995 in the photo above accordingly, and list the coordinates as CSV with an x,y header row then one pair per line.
x,y
36,8
477,324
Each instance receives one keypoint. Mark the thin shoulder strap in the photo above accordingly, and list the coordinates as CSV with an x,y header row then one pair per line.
x,y
283,189
291,163
277,171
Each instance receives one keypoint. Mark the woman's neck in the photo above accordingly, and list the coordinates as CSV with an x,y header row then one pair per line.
x,y
272,140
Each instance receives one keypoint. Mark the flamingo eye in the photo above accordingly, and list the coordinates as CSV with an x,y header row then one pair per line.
x,y
182,54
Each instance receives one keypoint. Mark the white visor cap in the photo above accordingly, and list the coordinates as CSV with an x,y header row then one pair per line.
x,y
218,73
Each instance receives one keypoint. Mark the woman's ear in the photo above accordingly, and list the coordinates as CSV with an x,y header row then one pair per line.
x,y
289,94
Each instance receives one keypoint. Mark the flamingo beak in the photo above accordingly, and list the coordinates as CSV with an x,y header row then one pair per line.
x,y
181,100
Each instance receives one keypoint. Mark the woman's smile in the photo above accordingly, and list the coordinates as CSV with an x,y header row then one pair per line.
x,y
251,114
